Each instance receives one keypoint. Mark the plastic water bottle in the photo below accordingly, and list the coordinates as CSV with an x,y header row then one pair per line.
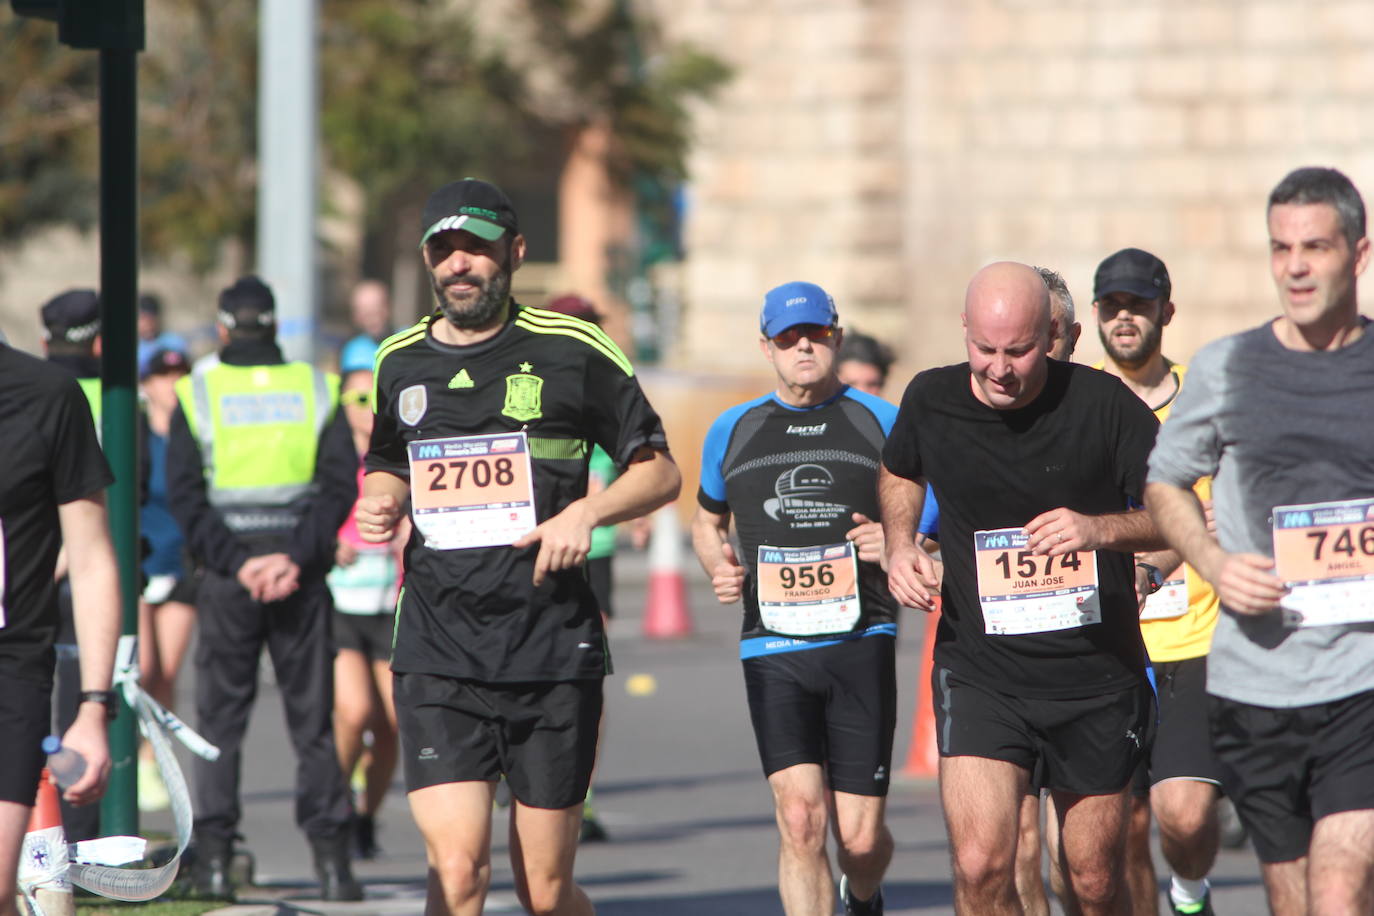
x,y
65,764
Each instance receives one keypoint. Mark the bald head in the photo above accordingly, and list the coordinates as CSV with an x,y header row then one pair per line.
x,y
370,307
1008,289
1007,329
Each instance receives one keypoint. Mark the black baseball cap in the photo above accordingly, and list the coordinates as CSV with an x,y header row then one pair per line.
x,y
472,205
166,360
73,316
1133,271
248,302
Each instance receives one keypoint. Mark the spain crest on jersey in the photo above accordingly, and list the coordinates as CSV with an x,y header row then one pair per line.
x,y
523,397
412,404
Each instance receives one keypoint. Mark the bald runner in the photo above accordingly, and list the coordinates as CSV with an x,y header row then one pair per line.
x,y
1038,657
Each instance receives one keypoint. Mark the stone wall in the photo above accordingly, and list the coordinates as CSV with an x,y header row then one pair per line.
x,y
888,149
799,169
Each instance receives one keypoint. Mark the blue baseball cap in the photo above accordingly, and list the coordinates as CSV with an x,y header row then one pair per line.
x,y
795,303
358,354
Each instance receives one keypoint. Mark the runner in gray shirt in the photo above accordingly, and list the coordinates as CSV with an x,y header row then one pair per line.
x,y
1281,416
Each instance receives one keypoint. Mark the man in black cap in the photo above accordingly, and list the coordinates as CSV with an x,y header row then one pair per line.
x,y
71,337
1132,302
261,473
486,414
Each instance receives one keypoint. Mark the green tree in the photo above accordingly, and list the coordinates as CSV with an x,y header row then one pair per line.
x,y
413,92
619,67
623,71
48,139
410,93
198,128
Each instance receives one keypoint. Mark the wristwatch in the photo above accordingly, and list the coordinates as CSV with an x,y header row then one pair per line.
x,y
104,697
1153,576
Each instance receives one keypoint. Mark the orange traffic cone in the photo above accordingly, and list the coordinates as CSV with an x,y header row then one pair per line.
x,y
43,860
665,611
923,757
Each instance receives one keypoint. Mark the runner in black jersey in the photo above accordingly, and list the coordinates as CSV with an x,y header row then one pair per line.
x,y
51,495
486,414
1039,660
796,470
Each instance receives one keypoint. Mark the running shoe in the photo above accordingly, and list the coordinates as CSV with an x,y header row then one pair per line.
x,y
365,837
592,831
1193,909
855,907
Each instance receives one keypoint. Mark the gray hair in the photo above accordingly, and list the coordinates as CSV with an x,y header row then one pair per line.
x,y
1059,292
1315,185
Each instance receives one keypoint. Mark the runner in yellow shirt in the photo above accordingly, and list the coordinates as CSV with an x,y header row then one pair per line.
x,y
1131,299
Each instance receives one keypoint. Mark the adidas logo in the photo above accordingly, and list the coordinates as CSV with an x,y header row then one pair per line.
x,y
461,380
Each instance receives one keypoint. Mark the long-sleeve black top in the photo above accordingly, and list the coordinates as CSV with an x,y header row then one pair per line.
x,y
311,543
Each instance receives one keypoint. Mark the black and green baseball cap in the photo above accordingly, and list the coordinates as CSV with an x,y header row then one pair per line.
x,y
472,205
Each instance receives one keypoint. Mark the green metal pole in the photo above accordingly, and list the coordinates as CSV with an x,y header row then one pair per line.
x,y
119,379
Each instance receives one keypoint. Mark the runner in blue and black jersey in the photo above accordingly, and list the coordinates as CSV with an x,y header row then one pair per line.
x,y
796,470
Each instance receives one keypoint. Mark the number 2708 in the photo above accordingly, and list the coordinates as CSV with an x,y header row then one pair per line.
x,y
484,473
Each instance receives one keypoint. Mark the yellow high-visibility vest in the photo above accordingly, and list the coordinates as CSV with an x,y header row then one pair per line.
x,y
258,428
90,387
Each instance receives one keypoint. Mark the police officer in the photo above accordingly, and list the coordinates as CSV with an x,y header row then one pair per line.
x,y
260,476
71,338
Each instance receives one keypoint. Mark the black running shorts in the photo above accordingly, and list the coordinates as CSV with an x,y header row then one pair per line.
x,y
835,706
369,634
1087,746
25,720
1287,768
1183,741
541,736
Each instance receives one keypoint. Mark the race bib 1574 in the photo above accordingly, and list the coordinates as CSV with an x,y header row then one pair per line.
x,y
1021,592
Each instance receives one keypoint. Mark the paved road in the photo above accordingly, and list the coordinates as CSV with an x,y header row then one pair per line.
x,y
679,789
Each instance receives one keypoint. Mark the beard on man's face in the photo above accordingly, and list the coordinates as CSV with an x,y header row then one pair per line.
x,y
1132,351
483,308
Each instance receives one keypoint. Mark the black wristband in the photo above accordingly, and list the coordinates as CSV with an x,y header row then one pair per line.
x,y
104,697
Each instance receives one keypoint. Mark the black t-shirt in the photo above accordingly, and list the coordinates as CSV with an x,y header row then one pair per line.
x,y
1082,444
792,477
53,457
474,612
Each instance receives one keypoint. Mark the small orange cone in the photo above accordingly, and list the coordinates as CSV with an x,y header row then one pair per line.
x,y
666,615
43,861
923,757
